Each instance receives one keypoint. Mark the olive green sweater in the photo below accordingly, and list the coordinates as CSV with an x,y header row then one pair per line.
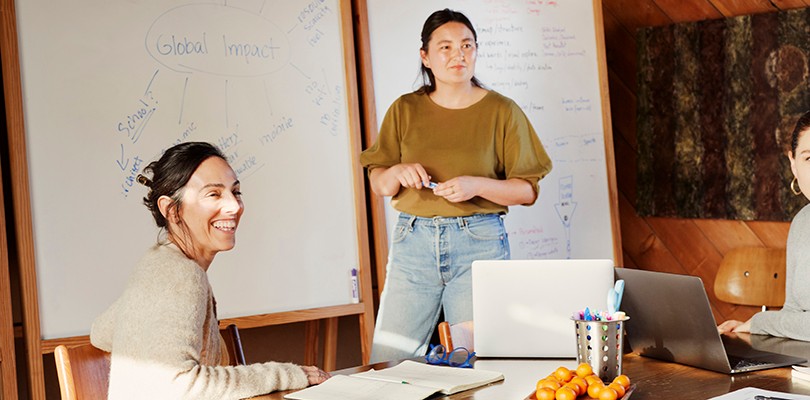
x,y
164,338
492,138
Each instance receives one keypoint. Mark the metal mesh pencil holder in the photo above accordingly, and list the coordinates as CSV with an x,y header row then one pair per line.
x,y
600,344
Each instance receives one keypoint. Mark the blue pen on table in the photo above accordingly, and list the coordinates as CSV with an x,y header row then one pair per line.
x,y
760,397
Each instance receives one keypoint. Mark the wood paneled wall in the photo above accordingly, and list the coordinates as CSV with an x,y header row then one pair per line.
x,y
684,246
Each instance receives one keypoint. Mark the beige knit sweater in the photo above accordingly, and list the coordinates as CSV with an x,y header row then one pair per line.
x,y
164,338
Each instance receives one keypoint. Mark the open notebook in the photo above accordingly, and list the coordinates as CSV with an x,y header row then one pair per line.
x,y
409,380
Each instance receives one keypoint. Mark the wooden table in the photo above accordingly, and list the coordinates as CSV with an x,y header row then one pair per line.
x,y
653,379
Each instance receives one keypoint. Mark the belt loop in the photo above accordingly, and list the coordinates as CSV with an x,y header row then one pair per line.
x,y
411,221
462,222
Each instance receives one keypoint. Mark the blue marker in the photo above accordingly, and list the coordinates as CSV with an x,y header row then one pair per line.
x,y
614,296
431,185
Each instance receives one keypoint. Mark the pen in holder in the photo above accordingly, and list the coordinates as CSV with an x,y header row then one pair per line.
x,y
600,344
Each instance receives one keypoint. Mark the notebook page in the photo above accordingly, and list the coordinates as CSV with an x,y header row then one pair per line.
x,y
448,380
351,388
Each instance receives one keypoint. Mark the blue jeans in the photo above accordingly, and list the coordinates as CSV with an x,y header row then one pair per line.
x,y
428,268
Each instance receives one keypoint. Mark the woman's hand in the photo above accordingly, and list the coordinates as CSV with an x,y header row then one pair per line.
x,y
315,375
387,181
458,189
733,325
507,192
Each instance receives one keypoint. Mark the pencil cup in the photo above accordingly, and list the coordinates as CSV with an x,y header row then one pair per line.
x,y
600,344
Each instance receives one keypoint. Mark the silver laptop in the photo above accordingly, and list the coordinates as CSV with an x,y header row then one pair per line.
x,y
671,319
523,308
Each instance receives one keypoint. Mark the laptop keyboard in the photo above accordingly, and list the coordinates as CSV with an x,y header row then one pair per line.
x,y
744,363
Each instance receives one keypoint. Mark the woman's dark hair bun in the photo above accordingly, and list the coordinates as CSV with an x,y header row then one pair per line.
x,y
144,180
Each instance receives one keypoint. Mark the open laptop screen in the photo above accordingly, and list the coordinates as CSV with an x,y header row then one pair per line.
x,y
671,320
523,308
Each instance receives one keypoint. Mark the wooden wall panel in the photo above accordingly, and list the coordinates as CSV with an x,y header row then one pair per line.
x,y
680,10
621,56
772,234
633,14
684,246
731,8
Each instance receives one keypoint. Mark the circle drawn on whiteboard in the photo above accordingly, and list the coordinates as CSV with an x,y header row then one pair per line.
x,y
217,40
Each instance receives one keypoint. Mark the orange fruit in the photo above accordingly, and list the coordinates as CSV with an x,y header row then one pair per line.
x,y
563,374
608,393
545,394
577,389
595,388
618,388
590,379
623,380
584,370
548,383
566,393
583,386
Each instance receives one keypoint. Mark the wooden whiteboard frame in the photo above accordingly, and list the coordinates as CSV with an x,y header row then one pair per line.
x,y
607,127
8,365
35,346
376,203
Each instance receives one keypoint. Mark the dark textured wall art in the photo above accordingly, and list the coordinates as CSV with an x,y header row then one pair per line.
x,y
717,102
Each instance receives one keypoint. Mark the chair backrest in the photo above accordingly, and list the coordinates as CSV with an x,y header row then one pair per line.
x,y
83,371
456,335
233,344
752,276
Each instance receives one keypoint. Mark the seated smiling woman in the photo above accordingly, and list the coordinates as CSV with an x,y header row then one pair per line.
x,y
163,331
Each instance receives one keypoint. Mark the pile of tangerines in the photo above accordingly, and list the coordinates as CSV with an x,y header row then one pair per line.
x,y
566,384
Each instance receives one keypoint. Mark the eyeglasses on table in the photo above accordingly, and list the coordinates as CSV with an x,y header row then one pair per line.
x,y
459,357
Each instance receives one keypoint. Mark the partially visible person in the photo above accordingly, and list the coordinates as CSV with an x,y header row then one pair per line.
x,y
482,154
793,320
163,331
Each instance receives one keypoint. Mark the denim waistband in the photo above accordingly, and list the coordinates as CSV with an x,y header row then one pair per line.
x,y
436,221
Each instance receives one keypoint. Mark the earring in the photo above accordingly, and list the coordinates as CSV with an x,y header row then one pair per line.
x,y
794,187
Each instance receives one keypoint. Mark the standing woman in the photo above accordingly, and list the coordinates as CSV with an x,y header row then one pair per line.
x,y
793,320
163,331
483,154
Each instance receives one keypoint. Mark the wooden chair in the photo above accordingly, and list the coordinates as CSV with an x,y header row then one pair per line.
x,y
752,276
456,335
84,371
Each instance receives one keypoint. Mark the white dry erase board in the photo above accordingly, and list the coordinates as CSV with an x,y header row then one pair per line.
x,y
107,85
548,57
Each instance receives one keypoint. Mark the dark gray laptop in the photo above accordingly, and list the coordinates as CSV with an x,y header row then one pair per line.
x,y
671,319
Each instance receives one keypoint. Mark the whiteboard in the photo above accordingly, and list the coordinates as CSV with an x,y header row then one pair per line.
x,y
109,84
543,55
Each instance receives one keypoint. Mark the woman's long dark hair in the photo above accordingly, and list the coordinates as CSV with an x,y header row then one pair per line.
x,y
433,22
